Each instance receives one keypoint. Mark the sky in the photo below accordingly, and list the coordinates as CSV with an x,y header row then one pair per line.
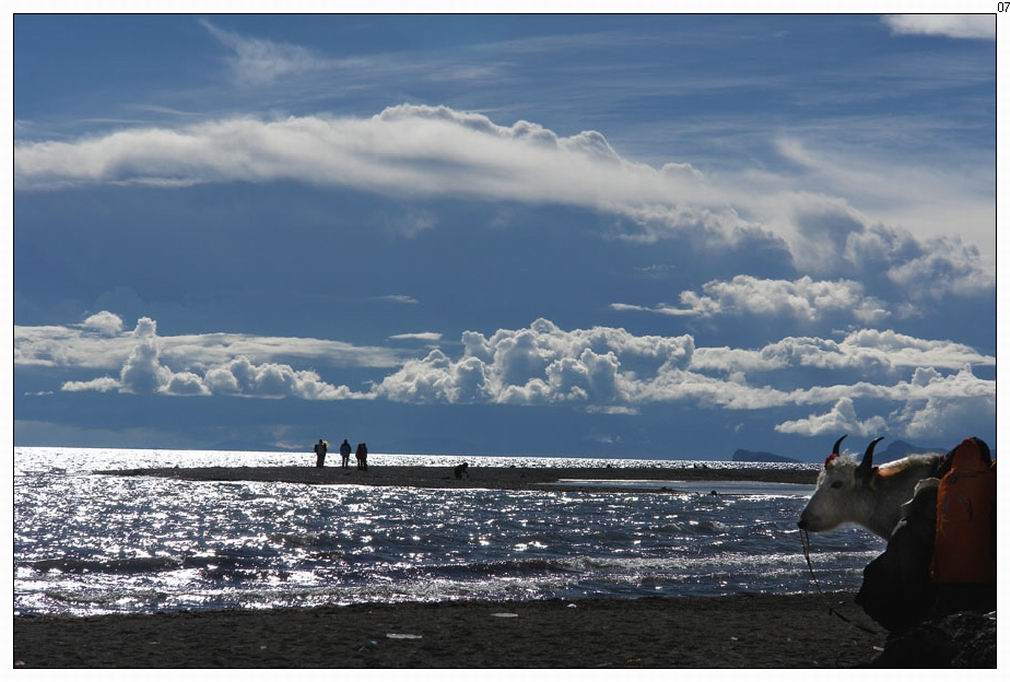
x,y
607,236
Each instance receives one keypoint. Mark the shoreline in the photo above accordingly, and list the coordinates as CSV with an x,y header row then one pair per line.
x,y
738,631
495,478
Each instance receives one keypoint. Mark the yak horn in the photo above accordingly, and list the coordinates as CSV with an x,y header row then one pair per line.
x,y
867,464
834,450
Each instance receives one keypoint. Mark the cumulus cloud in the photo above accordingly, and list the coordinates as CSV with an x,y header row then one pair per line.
x,y
802,299
104,322
101,384
186,383
144,372
926,384
611,367
273,380
937,416
191,365
538,364
87,347
436,378
840,419
418,150
948,266
861,349
932,404
605,370
980,26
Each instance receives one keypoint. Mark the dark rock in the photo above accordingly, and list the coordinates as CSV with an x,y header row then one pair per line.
x,y
960,640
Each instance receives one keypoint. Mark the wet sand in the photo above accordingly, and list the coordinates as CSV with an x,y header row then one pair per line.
x,y
759,631
499,478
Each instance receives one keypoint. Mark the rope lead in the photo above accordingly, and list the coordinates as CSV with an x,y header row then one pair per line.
x,y
805,542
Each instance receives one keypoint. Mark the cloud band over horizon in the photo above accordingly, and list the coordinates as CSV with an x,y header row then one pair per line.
x,y
603,369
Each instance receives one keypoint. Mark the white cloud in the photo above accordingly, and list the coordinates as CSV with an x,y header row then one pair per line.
x,y
660,309
59,346
144,372
840,419
606,366
415,150
674,384
612,409
257,61
273,380
949,267
603,369
862,349
726,359
418,336
926,384
538,364
186,383
104,322
101,384
937,416
925,197
980,26
802,299
872,348
398,298
932,405
436,378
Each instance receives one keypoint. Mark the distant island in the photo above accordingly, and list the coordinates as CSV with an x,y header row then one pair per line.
x,y
896,450
753,456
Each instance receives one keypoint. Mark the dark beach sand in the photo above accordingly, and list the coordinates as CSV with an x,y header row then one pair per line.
x,y
500,478
759,631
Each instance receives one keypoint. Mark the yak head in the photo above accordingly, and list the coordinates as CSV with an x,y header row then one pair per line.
x,y
844,491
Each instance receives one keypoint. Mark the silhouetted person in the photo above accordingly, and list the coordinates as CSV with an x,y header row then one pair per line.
x,y
361,454
320,453
345,453
460,470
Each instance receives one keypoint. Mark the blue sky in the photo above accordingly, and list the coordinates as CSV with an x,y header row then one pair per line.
x,y
610,236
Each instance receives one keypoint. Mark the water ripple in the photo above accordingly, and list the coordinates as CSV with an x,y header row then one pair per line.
x,y
88,544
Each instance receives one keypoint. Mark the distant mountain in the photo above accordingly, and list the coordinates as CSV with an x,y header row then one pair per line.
x,y
899,449
753,456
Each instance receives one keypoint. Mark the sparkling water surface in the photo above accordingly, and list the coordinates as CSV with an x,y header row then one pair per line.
x,y
89,544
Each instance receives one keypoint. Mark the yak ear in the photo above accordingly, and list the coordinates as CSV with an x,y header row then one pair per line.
x,y
873,478
865,468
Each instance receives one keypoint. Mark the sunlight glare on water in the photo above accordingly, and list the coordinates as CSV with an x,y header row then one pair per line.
x,y
88,543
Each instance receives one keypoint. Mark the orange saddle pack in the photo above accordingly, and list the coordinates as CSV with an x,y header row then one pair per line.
x,y
965,547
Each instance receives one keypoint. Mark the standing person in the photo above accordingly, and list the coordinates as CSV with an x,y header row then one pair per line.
x,y
360,454
364,456
345,453
320,453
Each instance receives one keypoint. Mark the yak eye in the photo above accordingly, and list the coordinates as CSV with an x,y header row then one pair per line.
x,y
836,484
